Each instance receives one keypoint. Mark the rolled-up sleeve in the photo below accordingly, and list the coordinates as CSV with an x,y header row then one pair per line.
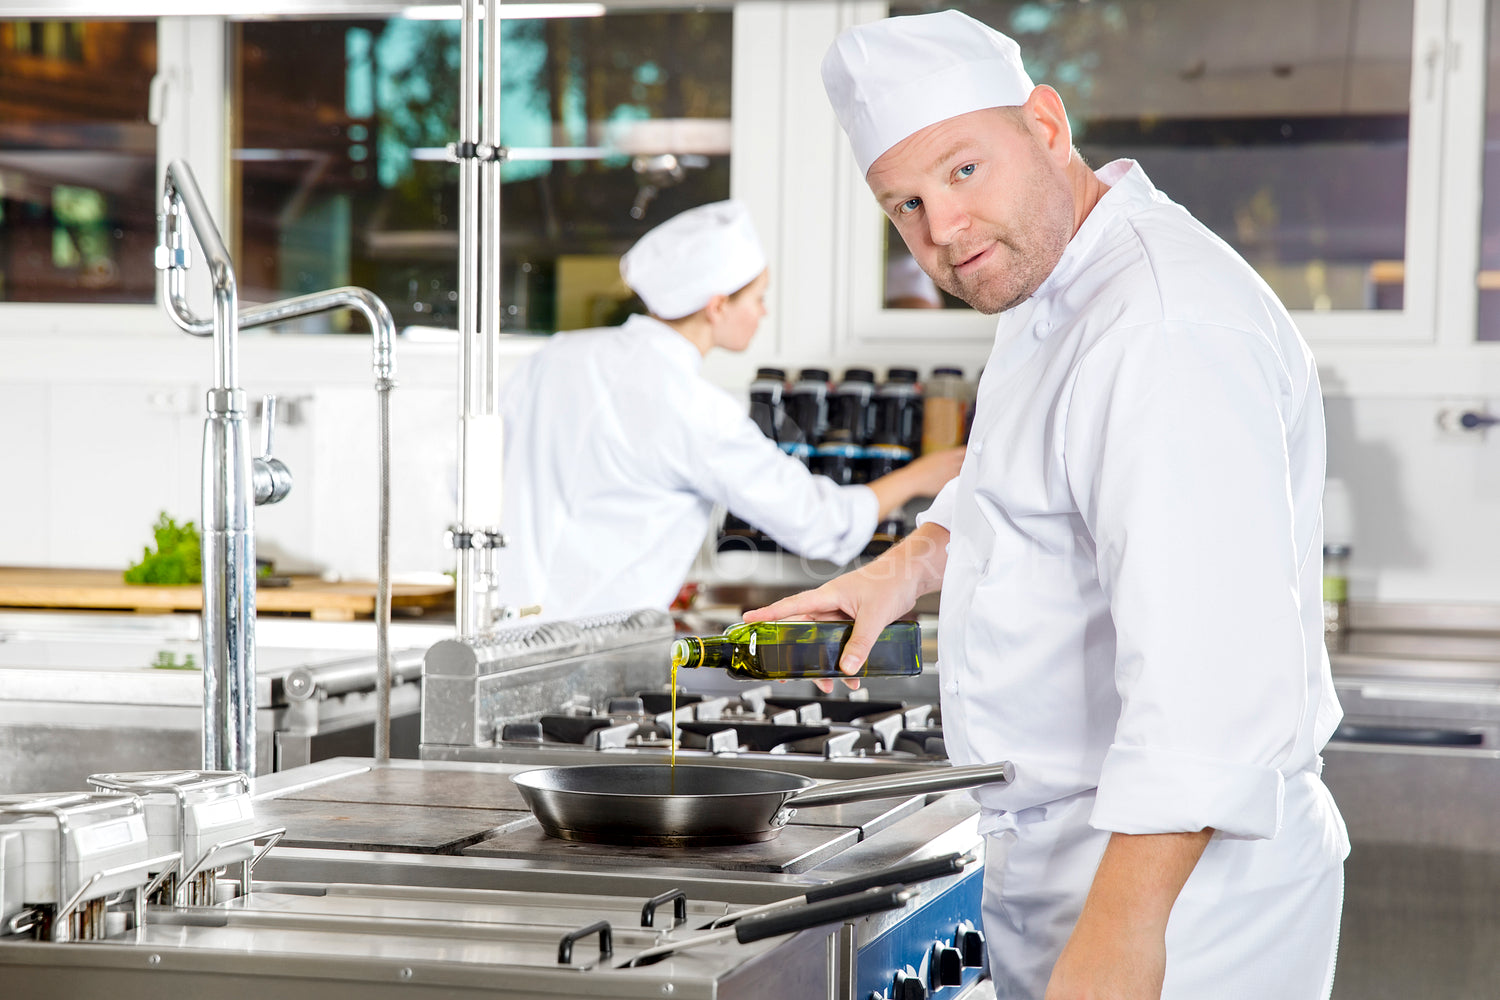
x,y
1175,444
940,512
735,465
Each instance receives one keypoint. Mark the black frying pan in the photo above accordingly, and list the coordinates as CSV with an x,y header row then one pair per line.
x,y
693,805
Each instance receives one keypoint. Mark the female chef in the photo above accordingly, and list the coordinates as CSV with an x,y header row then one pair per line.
x,y
617,448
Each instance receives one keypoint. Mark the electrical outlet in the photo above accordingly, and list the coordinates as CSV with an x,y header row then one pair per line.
x,y
1471,418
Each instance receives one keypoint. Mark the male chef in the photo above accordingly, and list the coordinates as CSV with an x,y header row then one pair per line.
x,y
1130,559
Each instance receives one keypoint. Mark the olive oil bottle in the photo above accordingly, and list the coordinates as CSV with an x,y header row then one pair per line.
x,y
783,650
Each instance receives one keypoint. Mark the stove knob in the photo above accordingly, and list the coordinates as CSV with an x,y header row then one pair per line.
x,y
946,967
970,944
521,732
908,986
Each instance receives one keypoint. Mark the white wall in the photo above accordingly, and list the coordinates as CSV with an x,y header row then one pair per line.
x,y
100,433
1424,504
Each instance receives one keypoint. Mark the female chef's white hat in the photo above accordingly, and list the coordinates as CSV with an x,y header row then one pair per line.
x,y
687,260
890,79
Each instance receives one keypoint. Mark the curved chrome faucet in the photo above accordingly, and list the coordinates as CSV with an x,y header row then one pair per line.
x,y
233,482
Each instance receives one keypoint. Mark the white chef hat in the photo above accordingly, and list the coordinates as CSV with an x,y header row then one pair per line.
x,y
687,260
892,78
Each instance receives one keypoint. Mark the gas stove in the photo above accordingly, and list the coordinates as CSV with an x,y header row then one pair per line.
x,y
757,720
542,693
599,689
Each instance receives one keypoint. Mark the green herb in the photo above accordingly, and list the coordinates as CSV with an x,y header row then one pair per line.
x,y
167,660
178,557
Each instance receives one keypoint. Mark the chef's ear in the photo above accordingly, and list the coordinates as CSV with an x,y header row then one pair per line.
x,y
1048,120
714,311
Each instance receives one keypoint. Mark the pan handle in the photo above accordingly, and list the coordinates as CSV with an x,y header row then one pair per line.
x,y
896,876
904,783
816,914
907,874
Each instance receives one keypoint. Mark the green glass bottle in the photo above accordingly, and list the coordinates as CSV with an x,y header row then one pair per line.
x,y
782,650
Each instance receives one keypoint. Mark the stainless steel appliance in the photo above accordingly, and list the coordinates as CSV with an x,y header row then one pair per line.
x,y
364,941
430,877
83,694
66,858
574,692
424,879
457,823
1415,769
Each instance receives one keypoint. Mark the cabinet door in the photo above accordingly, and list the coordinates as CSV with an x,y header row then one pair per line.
x,y
25,448
118,455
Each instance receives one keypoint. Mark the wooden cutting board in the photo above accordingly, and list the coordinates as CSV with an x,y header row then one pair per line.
x,y
98,589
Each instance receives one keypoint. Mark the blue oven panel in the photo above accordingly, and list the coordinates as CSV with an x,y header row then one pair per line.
x,y
937,951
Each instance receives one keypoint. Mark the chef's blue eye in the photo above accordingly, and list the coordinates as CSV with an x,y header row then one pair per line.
x,y
909,205
967,170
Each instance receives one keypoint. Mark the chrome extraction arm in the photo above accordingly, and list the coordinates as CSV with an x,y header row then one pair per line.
x,y
233,482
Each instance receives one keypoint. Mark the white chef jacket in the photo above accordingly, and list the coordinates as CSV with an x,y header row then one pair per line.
x,y
1131,609
617,449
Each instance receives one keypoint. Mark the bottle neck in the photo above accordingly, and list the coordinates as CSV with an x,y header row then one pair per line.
x,y
706,651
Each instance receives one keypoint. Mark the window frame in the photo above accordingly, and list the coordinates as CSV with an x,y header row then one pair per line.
x,y
182,92
823,234
1441,85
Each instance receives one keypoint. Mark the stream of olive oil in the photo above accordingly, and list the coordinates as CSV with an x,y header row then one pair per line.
x,y
672,734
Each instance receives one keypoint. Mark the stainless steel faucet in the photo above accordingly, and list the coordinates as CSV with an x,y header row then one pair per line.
x,y
233,482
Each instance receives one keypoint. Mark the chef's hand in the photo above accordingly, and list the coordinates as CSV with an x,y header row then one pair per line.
x,y
872,596
933,470
1118,948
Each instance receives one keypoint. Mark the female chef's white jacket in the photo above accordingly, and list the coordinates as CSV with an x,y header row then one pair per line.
x,y
617,449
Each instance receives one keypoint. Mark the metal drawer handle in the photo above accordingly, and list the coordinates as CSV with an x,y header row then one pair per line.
x,y
678,899
565,946
1426,736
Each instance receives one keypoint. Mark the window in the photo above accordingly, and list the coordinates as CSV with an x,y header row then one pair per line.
x,y
77,161
1285,126
615,123
1489,239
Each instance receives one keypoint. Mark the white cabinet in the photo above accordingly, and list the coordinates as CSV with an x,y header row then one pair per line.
x,y
24,448
94,464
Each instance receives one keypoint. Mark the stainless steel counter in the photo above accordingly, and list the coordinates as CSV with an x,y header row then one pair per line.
x,y
82,694
1415,770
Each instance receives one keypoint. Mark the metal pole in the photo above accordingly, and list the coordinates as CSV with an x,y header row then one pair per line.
x,y
490,167
490,297
466,610
227,495
480,436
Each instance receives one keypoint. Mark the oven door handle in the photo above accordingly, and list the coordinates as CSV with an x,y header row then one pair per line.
x,y
1411,736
